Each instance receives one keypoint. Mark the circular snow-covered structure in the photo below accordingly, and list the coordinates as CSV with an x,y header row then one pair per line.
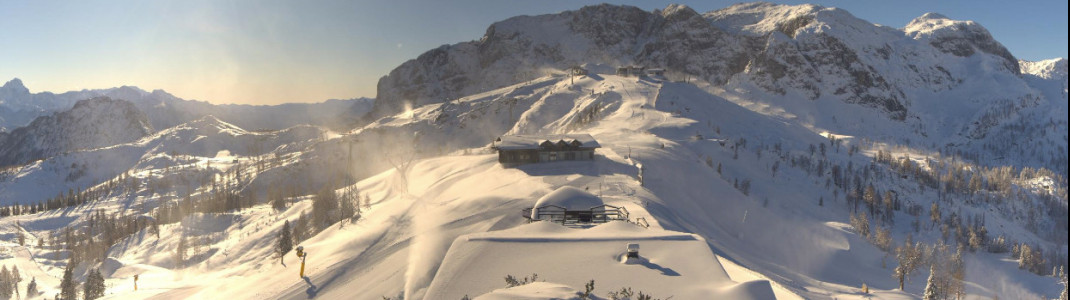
x,y
573,205
570,198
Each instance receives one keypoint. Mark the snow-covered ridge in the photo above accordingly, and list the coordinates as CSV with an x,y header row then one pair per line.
x,y
19,107
796,51
206,137
1047,69
90,124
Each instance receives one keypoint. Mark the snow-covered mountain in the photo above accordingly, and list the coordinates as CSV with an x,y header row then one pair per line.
x,y
208,138
1053,69
806,49
948,84
18,107
90,124
781,184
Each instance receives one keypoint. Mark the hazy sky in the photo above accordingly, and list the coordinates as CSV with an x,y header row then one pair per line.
x,y
268,52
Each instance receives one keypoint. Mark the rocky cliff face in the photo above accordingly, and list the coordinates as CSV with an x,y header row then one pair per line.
x,y
803,51
90,124
959,38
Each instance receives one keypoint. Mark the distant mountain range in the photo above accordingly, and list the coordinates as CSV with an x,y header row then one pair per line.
x,y
18,107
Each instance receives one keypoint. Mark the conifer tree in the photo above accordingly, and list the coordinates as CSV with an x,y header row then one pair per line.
x,y
324,204
957,267
68,288
21,237
31,288
930,286
285,243
6,283
278,201
300,229
94,285
346,210
180,251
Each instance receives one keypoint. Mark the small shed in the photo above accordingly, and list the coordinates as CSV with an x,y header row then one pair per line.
x,y
571,205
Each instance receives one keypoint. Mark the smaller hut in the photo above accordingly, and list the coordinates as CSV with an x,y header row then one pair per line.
x,y
571,205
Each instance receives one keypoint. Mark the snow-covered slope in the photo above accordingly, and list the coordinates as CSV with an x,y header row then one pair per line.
x,y
90,124
682,135
429,179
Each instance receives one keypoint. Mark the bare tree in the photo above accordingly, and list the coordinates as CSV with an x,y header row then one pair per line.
x,y
910,257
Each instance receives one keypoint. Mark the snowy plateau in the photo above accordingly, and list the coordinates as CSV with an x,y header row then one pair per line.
x,y
787,152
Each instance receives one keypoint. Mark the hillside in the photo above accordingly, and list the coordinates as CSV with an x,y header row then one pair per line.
x,y
795,152
181,154
90,124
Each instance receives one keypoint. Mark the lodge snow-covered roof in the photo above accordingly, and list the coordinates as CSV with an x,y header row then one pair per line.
x,y
672,263
567,197
532,142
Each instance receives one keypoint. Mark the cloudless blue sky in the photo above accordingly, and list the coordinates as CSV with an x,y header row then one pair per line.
x,y
267,52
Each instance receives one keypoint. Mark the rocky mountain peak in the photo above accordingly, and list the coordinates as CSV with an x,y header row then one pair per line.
x,y
15,85
960,38
13,89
